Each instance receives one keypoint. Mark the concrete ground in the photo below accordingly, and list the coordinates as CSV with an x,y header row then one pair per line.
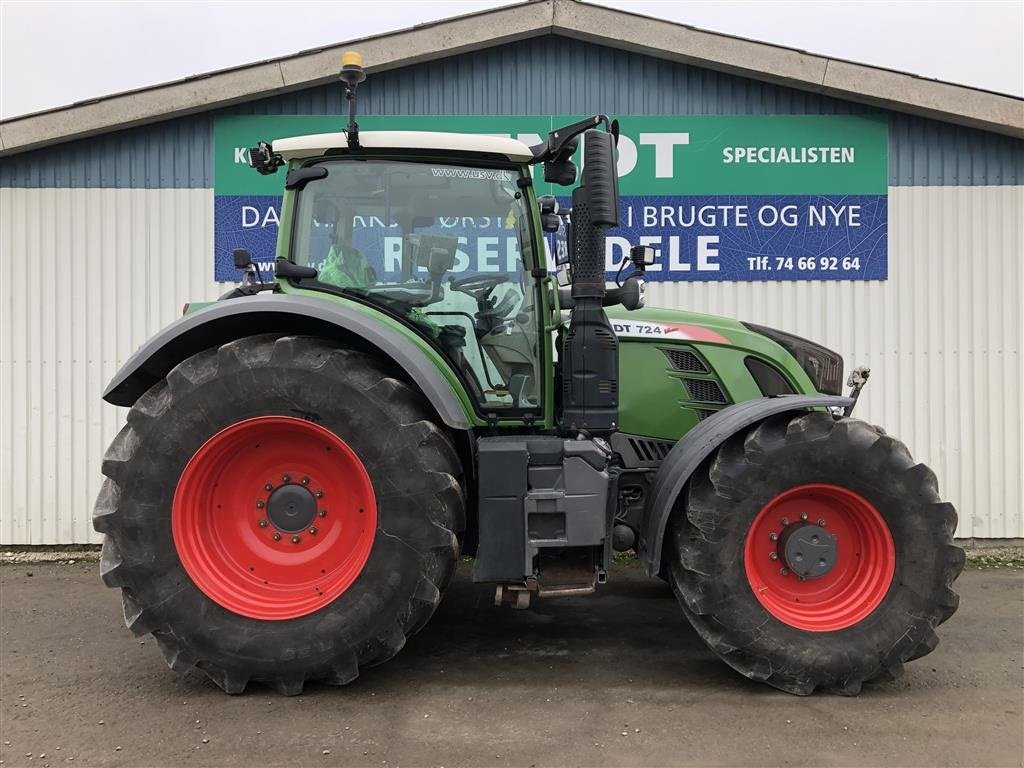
x,y
615,679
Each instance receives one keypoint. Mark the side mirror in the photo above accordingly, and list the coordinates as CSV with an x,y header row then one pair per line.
x,y
562,170
242,258
642,256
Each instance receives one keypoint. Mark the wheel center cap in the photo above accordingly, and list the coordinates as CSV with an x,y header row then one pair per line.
x,y
808,550
291,508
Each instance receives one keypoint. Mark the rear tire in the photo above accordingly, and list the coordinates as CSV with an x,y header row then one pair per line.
x,y
189,528
877,606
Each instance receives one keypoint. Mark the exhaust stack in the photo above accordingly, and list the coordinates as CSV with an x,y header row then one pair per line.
x,y
590,350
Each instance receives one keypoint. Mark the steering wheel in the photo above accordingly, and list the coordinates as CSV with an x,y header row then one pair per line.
x,y
478,286
490,313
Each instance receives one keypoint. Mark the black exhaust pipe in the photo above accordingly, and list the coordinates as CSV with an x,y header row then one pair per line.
x,y
590,349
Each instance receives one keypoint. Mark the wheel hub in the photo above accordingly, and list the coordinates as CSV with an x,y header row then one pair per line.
x,y
274,517
797,530
809,551
291,508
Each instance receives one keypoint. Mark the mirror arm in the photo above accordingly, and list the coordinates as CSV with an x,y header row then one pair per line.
x,y
560,137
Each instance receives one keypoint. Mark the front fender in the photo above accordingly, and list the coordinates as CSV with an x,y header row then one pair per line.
x,y
226,321
695,446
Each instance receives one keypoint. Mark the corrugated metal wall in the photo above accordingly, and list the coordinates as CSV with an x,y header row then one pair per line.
x,y
102,240
93,273
942,337
89,275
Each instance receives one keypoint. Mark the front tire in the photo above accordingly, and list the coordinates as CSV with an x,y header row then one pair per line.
x,y
280,510
812,552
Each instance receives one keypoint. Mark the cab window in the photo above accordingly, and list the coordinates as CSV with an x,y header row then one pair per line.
x,y
447,248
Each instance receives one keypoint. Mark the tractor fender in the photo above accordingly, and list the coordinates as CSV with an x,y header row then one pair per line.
x,y
695,446
226,321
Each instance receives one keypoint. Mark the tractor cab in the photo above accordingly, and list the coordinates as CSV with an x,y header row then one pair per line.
x,y
434,229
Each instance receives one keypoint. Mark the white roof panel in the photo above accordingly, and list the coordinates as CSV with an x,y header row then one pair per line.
x,y
317,144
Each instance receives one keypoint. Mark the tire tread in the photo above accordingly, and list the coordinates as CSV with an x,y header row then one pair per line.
x,y
436,543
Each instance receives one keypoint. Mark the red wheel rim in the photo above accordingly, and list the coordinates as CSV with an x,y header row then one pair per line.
x,y
274,517
864,558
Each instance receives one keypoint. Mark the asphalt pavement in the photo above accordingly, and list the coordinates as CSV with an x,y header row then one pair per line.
x,y
618,678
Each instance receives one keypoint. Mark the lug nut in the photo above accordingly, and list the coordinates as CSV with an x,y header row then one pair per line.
x,y
323,513
305,481
773,536
784,571
277,536
268,487
319,494
773,555
263,523
260,504
312,531
785,521
296,539
286,479
803,515
821,522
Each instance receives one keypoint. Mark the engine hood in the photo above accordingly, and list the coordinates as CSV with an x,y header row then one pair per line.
x,y
670,326
667,325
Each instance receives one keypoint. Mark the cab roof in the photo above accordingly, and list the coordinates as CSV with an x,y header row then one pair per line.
x,y
315,145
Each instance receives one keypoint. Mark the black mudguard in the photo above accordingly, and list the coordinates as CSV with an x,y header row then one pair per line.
x,y
226,321
699,443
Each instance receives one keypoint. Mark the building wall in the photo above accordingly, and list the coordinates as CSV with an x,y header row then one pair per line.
x,y
104,239
541,76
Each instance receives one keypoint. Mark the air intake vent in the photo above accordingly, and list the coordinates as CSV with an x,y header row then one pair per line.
x,y
703,413
606,387
685,360
639,451
650,450
769,380
605,339
703,391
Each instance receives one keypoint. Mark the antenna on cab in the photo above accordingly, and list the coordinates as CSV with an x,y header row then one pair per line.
x,y
352,75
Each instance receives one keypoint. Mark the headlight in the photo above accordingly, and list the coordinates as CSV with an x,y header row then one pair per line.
x,y
823,366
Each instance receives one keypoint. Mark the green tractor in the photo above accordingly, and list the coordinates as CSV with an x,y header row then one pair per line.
x,y
305,459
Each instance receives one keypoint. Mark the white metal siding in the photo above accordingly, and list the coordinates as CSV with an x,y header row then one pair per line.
x,y
942,337
89,274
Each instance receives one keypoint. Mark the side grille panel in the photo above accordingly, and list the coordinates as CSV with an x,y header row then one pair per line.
x,y
685,360
650,450
639,451
704,391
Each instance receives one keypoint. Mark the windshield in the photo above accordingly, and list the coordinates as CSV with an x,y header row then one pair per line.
x,y
442,246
